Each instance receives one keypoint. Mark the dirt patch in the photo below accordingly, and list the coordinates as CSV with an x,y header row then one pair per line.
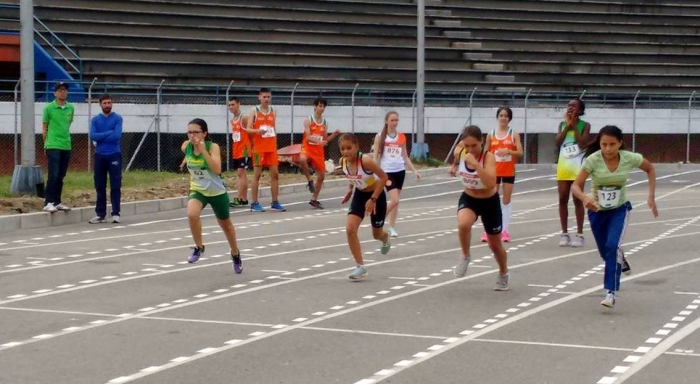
x,y
172,188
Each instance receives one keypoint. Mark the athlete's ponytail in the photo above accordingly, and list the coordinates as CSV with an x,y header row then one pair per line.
x,y
608,130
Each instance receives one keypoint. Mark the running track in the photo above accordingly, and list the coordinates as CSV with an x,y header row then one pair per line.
x,y
118,304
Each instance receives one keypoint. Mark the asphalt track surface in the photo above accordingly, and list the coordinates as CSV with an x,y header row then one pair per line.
x,y
116,303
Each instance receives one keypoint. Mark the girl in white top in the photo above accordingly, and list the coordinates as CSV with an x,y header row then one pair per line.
x,y
389,150
477,169
367,181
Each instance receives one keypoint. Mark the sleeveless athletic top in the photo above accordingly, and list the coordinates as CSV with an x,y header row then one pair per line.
x,y
470,178
202,179
505,165
267,142
392,156
362,179
570,155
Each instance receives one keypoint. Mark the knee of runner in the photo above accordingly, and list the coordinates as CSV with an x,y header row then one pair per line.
x,y
351,230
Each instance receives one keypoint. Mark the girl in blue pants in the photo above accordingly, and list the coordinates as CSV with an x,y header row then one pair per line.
x,y
609,166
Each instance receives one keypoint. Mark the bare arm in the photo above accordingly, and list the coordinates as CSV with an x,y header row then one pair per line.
x,y
518,153
213,158
370,165
407,161
561,135
651,174
487,172
577,186
487,144
375,149
249,123
45,130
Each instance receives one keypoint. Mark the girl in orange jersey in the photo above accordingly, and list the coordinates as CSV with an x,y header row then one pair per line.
x,y
390,152
505,145
367,180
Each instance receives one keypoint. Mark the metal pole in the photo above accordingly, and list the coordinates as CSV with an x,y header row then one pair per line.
x,y
292,111
687,143
634,122
527,97
89,121
352,110
159,94
16,124
582,94
469,122
420,149
413,118
27,79
228,126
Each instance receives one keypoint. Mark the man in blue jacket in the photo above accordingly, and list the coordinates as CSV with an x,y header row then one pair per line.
x,y
106,133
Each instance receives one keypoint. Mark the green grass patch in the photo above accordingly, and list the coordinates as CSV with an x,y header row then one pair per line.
x,y
430,162
82,180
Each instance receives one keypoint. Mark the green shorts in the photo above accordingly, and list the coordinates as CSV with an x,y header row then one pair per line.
x,y
219,204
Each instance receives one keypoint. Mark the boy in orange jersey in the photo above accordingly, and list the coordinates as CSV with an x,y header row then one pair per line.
x,y
313,149
241,151
261,124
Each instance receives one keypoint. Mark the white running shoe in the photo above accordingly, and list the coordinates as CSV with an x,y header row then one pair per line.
x,y
461,267
97,220
359,273
609,300
392,232
578,241
564,240
116,219
502,282
49,207
63,207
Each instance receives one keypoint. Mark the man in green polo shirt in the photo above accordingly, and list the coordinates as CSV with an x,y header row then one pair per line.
x,y
58,116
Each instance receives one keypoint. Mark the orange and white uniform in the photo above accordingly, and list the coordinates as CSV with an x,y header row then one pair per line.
x,y
315,152
241,141
265,144
505,165
392,157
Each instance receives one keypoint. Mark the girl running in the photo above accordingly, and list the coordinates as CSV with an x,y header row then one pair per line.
x,y
572,138
206,187
390,152
505,145
367,179
609,166
477,169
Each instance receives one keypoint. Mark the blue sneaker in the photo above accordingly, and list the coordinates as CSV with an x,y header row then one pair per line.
x,y
359,273
196,254
237,263
276,206
256,207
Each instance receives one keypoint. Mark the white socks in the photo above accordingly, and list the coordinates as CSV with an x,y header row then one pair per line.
x,y
505,210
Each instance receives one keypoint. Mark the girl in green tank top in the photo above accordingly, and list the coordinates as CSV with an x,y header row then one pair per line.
x,y
203,160
608,208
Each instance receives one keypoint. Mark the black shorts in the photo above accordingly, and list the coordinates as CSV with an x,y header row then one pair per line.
x,y
505,179
489,209
397,179
357,207
243,162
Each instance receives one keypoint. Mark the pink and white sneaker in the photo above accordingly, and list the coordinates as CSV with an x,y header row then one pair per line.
x,y
505,236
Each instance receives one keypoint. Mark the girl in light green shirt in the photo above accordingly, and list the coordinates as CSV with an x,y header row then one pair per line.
x,y
609,166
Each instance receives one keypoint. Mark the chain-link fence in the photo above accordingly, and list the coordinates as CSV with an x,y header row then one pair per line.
x,y
664,127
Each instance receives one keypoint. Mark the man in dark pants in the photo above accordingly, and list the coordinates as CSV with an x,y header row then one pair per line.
x,y
106,133
58,116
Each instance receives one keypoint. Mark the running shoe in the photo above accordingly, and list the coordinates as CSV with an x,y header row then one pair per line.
x,y
502,282
63,207
461,267
116,219
197,252
505,237
49,207
386,247
609,300
237,263
97,220
564,240
256,207
392,232
311,186
578,241
237,203
359,273
622,260
316,204
483,237
276,206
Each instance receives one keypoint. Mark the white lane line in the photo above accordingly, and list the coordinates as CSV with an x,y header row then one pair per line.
x,y
646,354
356,331
558,345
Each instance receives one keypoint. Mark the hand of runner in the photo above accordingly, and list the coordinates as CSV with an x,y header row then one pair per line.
x,y
502,152
370,207
590,204
417,175
453,170
347,197
471,160
652,205
199,144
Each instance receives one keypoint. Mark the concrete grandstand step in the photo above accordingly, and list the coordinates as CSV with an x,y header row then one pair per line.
x,y
443,23
511,89
466,45
687,7
457,34
487,67
477,56
438,12
499,78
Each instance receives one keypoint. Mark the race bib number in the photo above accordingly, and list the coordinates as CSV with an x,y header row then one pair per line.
x,y
319,138
503,159
609,197
571,150
197,174
268,131
471,182
360,183
236,136
393,151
